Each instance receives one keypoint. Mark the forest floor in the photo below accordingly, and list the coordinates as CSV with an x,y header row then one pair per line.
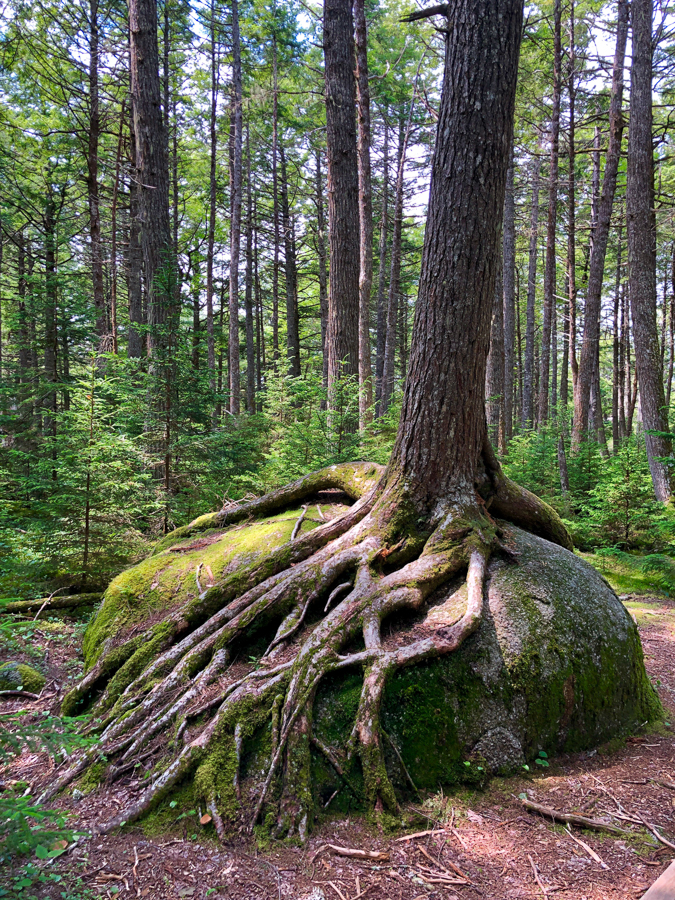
x,y
483,840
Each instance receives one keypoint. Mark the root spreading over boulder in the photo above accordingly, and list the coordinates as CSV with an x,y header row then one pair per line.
x,y
320,645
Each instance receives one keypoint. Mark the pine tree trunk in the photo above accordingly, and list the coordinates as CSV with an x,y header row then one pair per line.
x,y
50,313
550,268
365,216
382,275
275,200
134,262
529,393
235,216
509,280
591,340
323,269
642,250
570,338
291,273
394,281
153,169
94,133
343,196
494,378
442,427
250,343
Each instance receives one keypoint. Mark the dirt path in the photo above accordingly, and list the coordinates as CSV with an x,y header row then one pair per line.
x,y
475,844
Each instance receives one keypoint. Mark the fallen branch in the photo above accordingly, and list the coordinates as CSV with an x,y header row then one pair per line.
x,y
71,602
658,837
570,818
438,865
419,834
352,852
666,784
26,694
296,529
591,852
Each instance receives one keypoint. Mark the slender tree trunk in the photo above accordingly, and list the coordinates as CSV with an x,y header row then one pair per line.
x,y
570,348
291,273
642,251
616,343
529,392
494,378
343,196
550,268
235,216
51,302
322,260
275,199
196,310
260,326
394,280
211,230
113,232
381,278
250,343
365,216
509,280
671,333
589,356
153,169
94,134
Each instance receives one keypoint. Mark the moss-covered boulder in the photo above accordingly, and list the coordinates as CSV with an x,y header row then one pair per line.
x,y
556,665
15,676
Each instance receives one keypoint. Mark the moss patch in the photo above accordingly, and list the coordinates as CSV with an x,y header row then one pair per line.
x,y
17,676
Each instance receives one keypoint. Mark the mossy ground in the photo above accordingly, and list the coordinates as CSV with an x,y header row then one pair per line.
x,y
17,676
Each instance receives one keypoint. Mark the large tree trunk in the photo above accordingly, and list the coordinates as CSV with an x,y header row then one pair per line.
x,y
365,216
152,166
550,268
591,340
570,347
235,215
322,262
343,195
134,260
529,392
642,251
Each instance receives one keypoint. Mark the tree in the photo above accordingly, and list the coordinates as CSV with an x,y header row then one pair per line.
x,y
641,224
152,167
343,195
413,527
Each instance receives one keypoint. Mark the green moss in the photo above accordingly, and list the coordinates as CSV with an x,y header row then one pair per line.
x,y
92,778
15,676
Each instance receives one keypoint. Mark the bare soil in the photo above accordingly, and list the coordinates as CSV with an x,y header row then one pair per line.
x,y
472,844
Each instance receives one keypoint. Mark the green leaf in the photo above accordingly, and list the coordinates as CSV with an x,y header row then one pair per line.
x,y
41,852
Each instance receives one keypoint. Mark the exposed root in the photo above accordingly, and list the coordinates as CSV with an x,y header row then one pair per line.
x,y
359,569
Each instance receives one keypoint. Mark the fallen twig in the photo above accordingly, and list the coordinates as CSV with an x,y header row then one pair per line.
x,y
419,834
352,852
455,868
296,529
570,818
536,876
591,852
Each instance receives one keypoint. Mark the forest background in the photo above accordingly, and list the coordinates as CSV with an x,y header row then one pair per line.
x,y
104,449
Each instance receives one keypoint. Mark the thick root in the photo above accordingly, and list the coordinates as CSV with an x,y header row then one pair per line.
x,y
345,579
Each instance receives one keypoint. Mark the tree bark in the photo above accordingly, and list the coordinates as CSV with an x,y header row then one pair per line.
x,y
442,427
365,215
153,169
343,195
509,281
570,347
250,344
291,273
394,281
591,340
382,275
550,268
494,378
322,261
94,134
642,251
235,216
529,393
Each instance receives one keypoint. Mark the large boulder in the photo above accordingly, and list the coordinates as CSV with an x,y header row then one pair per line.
x,y
556,665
